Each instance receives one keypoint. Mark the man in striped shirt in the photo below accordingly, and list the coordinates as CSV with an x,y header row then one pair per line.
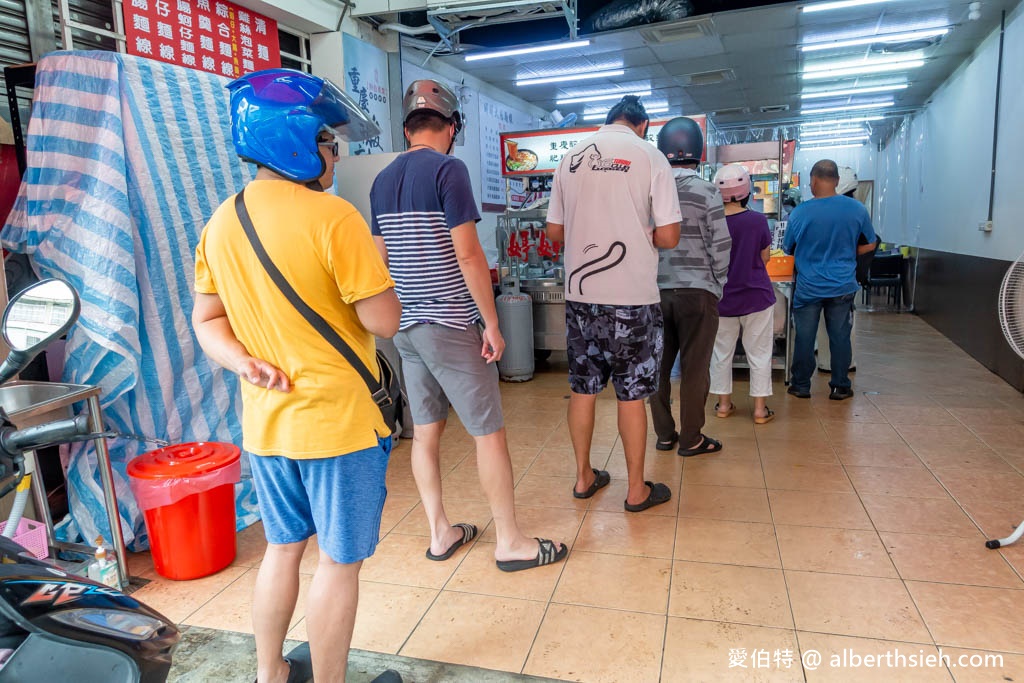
x,y
424,223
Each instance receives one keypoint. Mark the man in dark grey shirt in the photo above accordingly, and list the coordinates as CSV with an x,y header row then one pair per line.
x,y
690,279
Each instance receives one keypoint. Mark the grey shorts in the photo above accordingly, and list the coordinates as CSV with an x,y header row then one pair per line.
x,y
442,367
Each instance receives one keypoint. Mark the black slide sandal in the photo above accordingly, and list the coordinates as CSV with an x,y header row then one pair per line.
x,y
659,494
300,664
667,445
469,532
601,479
547,554
707,445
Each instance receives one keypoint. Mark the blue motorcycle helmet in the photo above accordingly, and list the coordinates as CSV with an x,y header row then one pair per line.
x,y
276,115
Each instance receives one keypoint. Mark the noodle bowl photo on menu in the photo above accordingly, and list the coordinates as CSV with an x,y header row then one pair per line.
x,y
519,159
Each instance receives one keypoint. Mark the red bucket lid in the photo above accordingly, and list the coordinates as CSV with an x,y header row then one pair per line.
x,y
184,460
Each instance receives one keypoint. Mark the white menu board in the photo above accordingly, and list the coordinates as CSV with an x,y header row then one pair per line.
x,y
495,119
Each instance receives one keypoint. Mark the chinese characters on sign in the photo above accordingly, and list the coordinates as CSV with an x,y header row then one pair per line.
x,y
210,35
495,119
366,80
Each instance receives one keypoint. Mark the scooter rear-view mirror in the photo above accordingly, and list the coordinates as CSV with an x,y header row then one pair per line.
x,y
36,316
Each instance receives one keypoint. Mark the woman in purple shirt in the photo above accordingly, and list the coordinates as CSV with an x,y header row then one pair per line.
x,y
748,299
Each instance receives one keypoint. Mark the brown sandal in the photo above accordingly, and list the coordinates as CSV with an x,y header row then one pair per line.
x,y
766,419
725,413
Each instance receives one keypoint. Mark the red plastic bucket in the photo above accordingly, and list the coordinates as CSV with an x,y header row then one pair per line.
x,y
187,494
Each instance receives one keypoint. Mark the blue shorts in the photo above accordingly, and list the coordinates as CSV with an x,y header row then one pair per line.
x,y
339,499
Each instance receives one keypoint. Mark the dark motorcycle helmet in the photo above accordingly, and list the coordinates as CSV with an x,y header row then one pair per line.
x,y
681,139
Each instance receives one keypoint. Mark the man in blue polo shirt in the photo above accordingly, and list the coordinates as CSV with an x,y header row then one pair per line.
x,y
822,236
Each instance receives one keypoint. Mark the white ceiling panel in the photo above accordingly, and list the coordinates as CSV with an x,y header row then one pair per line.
x,y
689,49
760,40
761,46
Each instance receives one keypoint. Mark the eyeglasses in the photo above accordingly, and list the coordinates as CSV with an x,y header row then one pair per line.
x,y
333,144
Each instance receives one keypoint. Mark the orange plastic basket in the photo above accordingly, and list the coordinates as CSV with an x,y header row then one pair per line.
x,y
780,266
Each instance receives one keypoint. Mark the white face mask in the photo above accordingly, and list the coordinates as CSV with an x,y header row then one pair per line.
x,y
333,188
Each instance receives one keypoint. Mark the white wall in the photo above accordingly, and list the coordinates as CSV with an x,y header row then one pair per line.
x,y
935,172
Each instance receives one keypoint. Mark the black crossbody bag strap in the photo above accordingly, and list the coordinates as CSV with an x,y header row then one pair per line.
x,y
379,393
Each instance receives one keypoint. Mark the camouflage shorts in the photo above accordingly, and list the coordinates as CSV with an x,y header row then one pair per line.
x,y
621,343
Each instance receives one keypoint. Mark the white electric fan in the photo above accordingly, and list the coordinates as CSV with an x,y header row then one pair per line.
x,y
1011,319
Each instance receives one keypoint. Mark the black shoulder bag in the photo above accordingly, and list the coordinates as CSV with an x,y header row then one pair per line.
x,y
387,392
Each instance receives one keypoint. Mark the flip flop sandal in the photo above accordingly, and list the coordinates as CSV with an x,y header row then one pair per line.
x,y
468,534
300,664
667,445
726,413
547,554
659,494
707,445
601,479
766,419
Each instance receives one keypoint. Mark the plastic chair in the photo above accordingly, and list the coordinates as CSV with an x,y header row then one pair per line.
x,y
886,274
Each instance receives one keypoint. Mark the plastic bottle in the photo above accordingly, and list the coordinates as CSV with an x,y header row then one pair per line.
x,y
102,569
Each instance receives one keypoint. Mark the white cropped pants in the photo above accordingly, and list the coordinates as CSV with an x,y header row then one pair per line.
x,y
758,340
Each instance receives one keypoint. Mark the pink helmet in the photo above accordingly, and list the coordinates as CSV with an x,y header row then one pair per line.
x,y
733,182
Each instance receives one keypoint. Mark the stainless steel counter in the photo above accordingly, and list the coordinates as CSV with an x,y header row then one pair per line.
x,y
548,313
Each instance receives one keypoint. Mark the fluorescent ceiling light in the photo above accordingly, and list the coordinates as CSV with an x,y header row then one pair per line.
x,y
603,96
856,67
828,132
476,56
847,107
839,4
599,115
871,40
824,94
608,73
832,65
842,146
842,122
866,69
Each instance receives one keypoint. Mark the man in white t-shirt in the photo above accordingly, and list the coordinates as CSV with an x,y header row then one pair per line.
x,y
614,204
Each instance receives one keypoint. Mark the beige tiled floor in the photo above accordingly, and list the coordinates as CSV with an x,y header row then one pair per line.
x,y
856,526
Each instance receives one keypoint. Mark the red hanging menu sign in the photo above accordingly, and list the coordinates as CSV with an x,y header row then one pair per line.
x,y
209,35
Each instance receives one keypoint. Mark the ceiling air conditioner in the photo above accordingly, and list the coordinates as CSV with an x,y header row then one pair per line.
x,y
671,33
708,77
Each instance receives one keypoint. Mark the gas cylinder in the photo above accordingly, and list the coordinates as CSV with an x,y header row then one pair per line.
x,y
515,318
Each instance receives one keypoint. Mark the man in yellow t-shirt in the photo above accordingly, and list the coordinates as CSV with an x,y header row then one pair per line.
x,y
319,443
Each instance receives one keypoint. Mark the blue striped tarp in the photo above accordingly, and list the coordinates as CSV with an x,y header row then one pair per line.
x,y
127,158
